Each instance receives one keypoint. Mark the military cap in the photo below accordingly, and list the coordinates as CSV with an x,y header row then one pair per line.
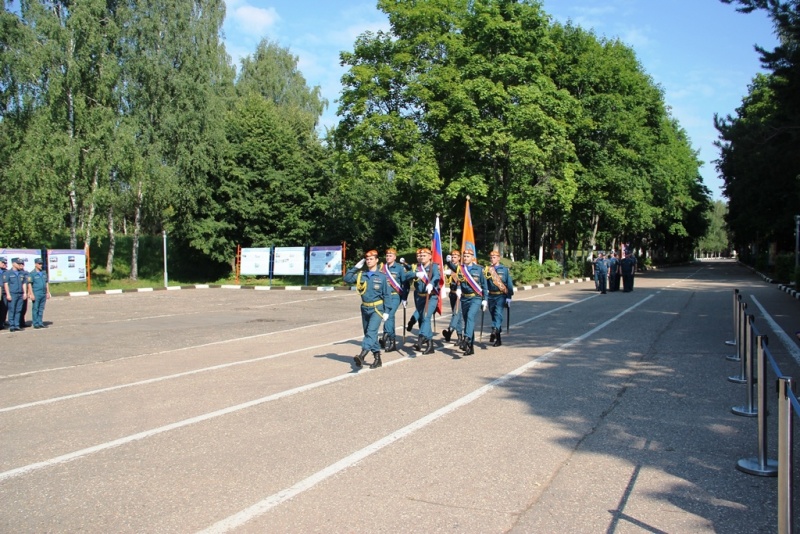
x,y
3,260
16,260
38,260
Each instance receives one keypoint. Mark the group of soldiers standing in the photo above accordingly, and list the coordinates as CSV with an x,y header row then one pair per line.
x,y
384,288
609,270
19,286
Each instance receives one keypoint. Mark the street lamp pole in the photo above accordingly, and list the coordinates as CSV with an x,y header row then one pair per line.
x,y
796,241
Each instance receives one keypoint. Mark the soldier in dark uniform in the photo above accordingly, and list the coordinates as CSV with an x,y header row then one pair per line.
x,y
474,291
628,268
24,310
39,292
16,292
3,302
451,272
501,289
374,290
601,272
613,272
394,273
425,291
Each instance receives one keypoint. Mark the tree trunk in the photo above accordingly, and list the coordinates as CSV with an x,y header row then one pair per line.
x,y
137,226
112,242
92,207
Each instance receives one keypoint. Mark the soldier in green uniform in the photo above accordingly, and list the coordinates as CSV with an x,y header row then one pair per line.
x,y
39,292
501,289
371,284
16,292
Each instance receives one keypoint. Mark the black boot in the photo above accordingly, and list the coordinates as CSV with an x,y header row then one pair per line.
x,y
446,334
468,348
460,340
391,345
428,345
360,358
377,363
418,344
494,334
382,340
411,324
497,340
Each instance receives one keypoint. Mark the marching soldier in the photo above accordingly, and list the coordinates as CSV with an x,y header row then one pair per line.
x,y
474,291
426,297
501,289
613,272
394,273
451,272
371,284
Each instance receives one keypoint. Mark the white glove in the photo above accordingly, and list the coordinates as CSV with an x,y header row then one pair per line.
x,y
360,264
508,302
449,258
447,271
385,316
484,305
405,304
403,261
420,275
429,288
458,292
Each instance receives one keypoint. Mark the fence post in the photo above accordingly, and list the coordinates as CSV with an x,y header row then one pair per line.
x,y
785,456
760,465
750,409
742,346
736,298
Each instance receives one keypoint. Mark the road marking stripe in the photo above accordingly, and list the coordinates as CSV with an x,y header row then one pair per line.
x,y
284,495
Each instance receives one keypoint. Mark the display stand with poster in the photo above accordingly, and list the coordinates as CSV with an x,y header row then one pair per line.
x,y
66,265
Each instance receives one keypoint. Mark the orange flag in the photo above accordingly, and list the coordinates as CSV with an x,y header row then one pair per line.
x,y
468,235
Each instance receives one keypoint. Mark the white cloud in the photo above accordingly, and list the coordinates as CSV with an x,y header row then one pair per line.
x,y
252,20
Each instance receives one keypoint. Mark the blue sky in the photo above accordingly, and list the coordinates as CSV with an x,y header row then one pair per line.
x,y
699,51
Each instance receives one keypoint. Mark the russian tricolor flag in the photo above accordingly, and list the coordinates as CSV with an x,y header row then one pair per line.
x,y
436,253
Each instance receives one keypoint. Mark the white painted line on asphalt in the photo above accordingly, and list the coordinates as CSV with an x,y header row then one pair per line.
x,y
221,342
274,500
14,473
20,471
783,336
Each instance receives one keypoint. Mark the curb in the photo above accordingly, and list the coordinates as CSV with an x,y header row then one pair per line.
x,y
273,288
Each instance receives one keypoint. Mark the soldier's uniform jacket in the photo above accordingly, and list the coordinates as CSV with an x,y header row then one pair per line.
x,y
601,266
371,285
628,264
432,274
38,282
15,280
476,272
505,277
452,278
398,274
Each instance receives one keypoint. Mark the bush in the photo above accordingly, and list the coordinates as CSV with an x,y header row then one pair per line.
x,y
552,269
784,267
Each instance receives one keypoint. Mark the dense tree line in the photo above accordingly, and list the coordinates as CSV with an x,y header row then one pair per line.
x,y
760,145
557,135
128,116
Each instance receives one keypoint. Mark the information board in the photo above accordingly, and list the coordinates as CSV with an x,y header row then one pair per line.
x,y
255,261
289,261
28,256
66,265
325,260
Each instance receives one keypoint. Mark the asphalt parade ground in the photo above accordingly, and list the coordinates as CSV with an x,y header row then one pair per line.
x,y
224,410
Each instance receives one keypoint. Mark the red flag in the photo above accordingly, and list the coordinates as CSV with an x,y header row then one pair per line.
x,y
436,253
468,235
